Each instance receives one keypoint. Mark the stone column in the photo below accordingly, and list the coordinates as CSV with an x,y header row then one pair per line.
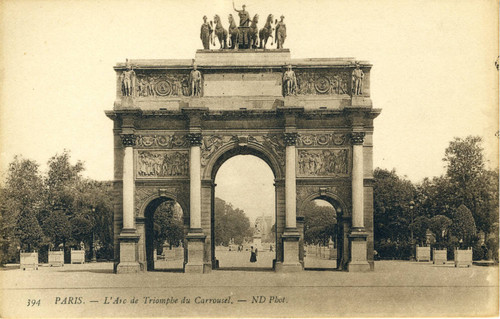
x,y
195,236
357,180
290,182
291,236
195,181
128,237
358,260
128,181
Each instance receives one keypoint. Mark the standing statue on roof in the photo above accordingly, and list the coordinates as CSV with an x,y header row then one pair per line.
x,y
244,16
243,30
205,33
280,34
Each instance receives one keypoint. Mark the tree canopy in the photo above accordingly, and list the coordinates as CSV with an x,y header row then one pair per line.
x,y
230,223
320,223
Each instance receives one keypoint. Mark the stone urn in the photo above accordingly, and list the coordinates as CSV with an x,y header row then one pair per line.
x,y
439,256
56,258
423,253
29,260
463,257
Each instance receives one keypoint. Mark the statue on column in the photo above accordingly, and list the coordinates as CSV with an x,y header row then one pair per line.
x,y
128,80
357,80
205,34
280,34
195,80
289,82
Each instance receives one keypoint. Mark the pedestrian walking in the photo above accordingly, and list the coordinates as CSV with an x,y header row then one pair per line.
x,y
253,255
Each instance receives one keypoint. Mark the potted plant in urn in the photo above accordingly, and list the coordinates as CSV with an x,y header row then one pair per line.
x,y
464,228
439,225
419,229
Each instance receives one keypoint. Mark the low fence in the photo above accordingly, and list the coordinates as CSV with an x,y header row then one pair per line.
x,y
320,252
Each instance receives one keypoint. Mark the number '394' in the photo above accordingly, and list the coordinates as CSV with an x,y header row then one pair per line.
x,y
33,302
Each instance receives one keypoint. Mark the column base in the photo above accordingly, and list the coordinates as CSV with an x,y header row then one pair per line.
x,y
128,252
358,261
358,267
128,268
288,267
291,261
196,243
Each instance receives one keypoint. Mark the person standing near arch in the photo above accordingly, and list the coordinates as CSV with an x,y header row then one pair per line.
x,y
253,255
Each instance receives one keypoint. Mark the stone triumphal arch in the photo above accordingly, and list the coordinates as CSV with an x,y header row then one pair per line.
x,y
177,121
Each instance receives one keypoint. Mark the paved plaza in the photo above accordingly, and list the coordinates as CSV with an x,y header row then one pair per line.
x,y
395,288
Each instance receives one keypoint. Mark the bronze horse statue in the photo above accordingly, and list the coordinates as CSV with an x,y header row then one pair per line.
x,y
253,33
266,32
220,32
233,33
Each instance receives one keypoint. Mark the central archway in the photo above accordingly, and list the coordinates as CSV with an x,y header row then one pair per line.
x,y
240,173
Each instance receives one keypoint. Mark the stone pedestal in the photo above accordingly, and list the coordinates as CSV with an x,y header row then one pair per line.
x,y
359,100
358,262
291,261
196,243
257,242
128,252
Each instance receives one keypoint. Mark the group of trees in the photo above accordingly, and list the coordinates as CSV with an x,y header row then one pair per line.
x,y
451,210
60,208
320,224
230,223
168,226
57,209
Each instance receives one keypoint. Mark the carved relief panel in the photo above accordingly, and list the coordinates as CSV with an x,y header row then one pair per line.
x,y
144,194
342,193
323,162
162,141
273,142
323,82
157,84
161,164
314,140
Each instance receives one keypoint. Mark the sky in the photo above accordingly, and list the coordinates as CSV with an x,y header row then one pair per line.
x,y
433,71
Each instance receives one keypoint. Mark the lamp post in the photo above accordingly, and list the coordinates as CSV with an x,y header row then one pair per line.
x,y
412,241
94,258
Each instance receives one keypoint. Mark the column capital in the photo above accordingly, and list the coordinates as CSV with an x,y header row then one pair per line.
x,y
290,138
128,139
357,138
194,139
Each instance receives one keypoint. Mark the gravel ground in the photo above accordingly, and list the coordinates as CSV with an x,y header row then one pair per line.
x,y
395,288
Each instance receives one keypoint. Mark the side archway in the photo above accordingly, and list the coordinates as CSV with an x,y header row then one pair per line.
x,y
178,225
340,249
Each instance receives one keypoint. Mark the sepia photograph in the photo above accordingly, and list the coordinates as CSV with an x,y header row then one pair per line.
x,y
249,159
